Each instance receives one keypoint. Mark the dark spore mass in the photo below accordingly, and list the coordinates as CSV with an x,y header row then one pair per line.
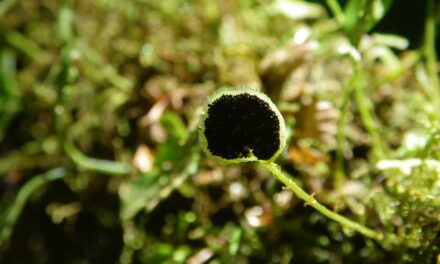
x,y
237,125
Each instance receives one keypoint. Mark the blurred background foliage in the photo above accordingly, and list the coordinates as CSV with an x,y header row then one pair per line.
x,y
99,108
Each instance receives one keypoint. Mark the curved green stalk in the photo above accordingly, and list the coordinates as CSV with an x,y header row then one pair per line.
x,y
23,195
97,165
283,177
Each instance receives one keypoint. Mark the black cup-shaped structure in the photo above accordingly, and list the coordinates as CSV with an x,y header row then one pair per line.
x,y
241,124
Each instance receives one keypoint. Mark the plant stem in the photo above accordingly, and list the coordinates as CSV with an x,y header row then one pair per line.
x,y
336,10
429,50
280,175
23,195
97,165
365,112
340,136
355,83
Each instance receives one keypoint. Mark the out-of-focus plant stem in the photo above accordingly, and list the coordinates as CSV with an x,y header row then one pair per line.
x,y
367,116
97,165
336,10
356,84
25,192
340,136
429,49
